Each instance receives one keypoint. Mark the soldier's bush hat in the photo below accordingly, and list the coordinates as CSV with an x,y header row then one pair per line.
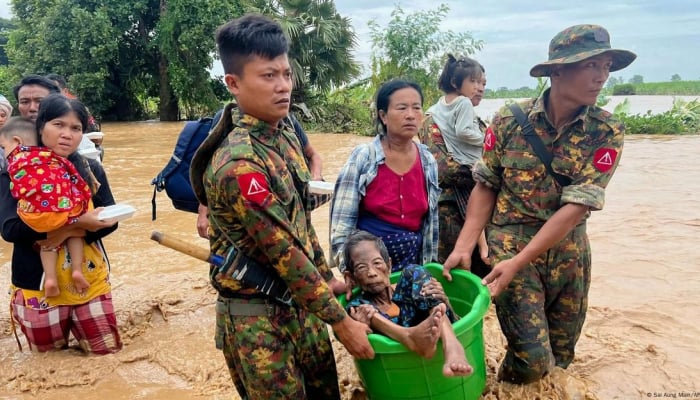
x,y
579,42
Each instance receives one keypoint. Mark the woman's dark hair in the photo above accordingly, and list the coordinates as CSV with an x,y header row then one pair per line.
x,y
456,71
249,35
55,106
383,98
357,237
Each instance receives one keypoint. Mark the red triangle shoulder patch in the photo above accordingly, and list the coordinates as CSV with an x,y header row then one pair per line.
x,y
489,140
604,159
253,187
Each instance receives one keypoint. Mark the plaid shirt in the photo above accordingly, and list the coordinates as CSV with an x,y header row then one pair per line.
x,y
351,186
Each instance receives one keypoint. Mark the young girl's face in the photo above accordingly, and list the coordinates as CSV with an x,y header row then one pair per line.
x,y
473,88
63,134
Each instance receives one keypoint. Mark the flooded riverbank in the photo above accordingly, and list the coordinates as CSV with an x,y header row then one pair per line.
x,y
642,334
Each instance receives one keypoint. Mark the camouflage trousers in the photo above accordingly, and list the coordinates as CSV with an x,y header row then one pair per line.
x,y
451,223
283,354
541,313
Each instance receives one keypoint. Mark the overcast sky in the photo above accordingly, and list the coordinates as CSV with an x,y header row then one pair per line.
x,y
664,34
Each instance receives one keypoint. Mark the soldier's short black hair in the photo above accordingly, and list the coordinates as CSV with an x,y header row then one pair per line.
x,y
357,237
35,80
456,71
249,35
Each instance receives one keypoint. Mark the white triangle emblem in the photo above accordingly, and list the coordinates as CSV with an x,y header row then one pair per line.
x,y
489,141
255,188
605,159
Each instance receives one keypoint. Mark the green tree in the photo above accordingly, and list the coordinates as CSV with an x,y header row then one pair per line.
x,y
413,46
676,78
636,79
321,43
116,54
6,26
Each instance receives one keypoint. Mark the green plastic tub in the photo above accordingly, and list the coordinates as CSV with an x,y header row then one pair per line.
x,y
397,373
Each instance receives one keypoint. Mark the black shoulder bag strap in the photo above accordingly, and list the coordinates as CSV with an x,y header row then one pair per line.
x,y
537,144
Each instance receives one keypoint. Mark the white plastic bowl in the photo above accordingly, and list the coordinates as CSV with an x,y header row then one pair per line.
x,y
94,135
117,212
321,187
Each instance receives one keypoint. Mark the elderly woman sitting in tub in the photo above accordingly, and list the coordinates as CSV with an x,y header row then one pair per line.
x,y
403,313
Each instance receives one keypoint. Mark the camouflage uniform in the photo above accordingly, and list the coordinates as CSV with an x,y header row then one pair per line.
x,y
456,183
253,179
542,310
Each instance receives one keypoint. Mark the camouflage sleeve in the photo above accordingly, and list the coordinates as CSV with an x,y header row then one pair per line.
x,y
592,165
488,169
267,230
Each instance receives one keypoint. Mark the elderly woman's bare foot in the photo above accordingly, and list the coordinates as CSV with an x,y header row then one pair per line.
x,y
422,338
456,363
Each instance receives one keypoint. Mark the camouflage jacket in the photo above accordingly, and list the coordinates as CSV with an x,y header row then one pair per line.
x,y
254,180
586,150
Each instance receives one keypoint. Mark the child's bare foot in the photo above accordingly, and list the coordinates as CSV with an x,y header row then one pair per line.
x,y
51,288
456,363
79,281
422,338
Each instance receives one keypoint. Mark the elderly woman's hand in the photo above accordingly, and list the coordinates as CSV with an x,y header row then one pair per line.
x,y
90,221
363,313
433,288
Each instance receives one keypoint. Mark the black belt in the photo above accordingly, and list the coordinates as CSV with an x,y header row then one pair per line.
x,y
249,307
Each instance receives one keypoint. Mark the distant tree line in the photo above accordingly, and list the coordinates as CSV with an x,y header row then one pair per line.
x,y
122,57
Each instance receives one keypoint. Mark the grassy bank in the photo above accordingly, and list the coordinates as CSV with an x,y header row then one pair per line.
x,y
682,118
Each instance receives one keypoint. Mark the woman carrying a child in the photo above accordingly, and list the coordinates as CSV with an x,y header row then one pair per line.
x,y
89,314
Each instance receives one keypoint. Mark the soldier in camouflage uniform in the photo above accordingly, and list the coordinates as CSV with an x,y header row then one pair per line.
x,y
537,226
251,175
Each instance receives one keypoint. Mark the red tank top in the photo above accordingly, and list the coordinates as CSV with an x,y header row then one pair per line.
x,y
401,200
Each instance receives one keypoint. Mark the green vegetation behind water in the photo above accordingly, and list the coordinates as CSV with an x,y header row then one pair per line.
x,y
676,88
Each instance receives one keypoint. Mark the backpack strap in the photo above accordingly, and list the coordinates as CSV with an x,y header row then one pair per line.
x,y
537,145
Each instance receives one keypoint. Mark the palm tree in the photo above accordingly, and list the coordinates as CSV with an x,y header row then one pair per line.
x,y
320,42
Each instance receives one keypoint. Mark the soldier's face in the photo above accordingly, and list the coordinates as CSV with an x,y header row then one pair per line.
x,y
581,82
263,89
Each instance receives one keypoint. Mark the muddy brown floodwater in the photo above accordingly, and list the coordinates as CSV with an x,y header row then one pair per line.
x,y
641,338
